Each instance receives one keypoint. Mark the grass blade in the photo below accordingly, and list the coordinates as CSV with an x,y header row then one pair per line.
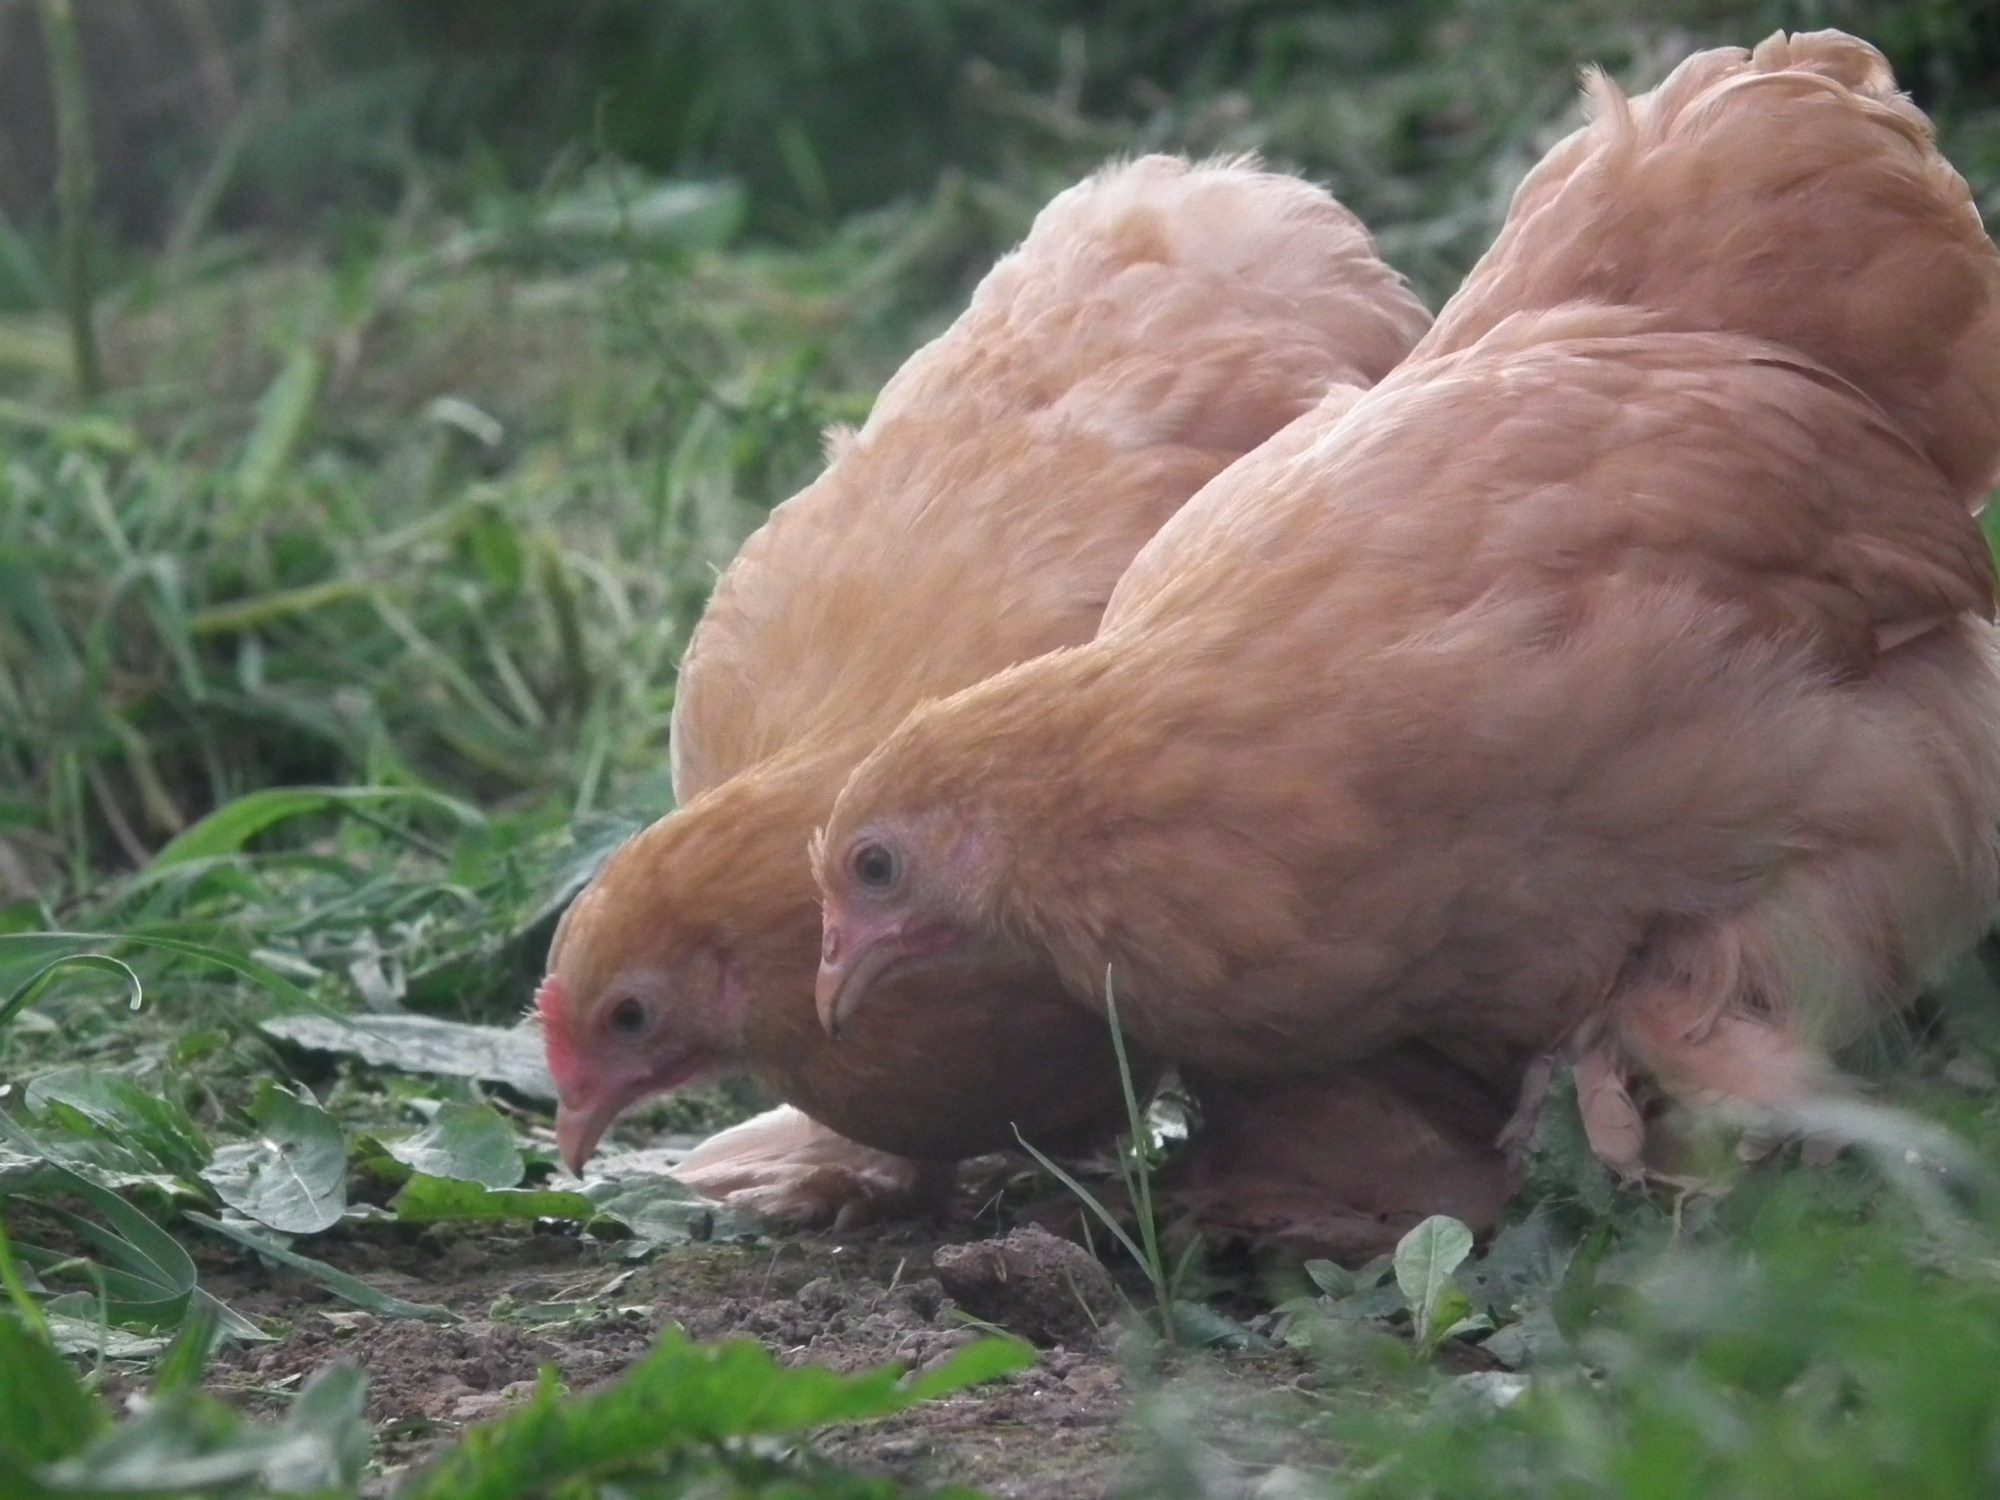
x,y
20,946
26,994
228,829
1084,1195
282,415
348,1288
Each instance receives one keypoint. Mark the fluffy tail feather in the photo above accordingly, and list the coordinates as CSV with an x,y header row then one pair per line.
x,y
1790,193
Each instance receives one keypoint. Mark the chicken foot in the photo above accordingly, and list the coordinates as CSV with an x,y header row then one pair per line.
x,y
787,1166
1749,1068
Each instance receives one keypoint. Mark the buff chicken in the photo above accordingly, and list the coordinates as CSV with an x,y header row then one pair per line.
x,y
1616,678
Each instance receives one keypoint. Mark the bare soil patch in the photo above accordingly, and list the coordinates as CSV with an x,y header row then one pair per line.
x,y
848,1300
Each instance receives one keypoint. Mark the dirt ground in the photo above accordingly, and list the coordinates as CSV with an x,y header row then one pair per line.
x,y
908,1293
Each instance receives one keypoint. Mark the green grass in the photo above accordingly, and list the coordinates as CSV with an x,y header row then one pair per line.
x,y
338,638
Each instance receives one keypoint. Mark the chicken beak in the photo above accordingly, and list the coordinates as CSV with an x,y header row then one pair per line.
x,y
852,964
844,981
578,1130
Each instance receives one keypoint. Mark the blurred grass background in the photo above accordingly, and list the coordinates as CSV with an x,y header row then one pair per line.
x,y
448,349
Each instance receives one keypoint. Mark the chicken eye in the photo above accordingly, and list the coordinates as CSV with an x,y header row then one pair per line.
x,y
875,866
628,1017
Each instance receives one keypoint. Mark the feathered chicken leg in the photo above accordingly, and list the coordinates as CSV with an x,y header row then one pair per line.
x,y
1343,1166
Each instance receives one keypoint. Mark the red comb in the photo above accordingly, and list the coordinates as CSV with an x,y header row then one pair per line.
x,y
552,1000
552,1004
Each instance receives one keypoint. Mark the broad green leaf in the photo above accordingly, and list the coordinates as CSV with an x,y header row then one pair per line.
x,y
438,1200
330,1433
293,1177
465,1142
95,1339
229,828
1452,1314
511,1055
1425,1259
1199,1326
659,1209
348,1288
1463,1326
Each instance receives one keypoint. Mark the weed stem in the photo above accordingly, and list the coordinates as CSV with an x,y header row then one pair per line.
x,y
74,189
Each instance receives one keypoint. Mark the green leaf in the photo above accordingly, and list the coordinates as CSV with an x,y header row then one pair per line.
x,y
511,1055
45,1413
186,1361
1331,1279
231,1325
1199,1326
70,429
93,1338
439,1200
681,1397
677,215
293,1178
465,1142
1089,1200
328,1424
229,828
190,1444
496,546
658,1209
1424,1261
348,1288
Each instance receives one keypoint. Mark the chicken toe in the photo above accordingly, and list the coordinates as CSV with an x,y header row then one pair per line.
x,y
786,1166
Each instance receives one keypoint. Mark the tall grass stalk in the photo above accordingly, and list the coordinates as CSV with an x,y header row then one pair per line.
x,y
74,190
1135,1167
